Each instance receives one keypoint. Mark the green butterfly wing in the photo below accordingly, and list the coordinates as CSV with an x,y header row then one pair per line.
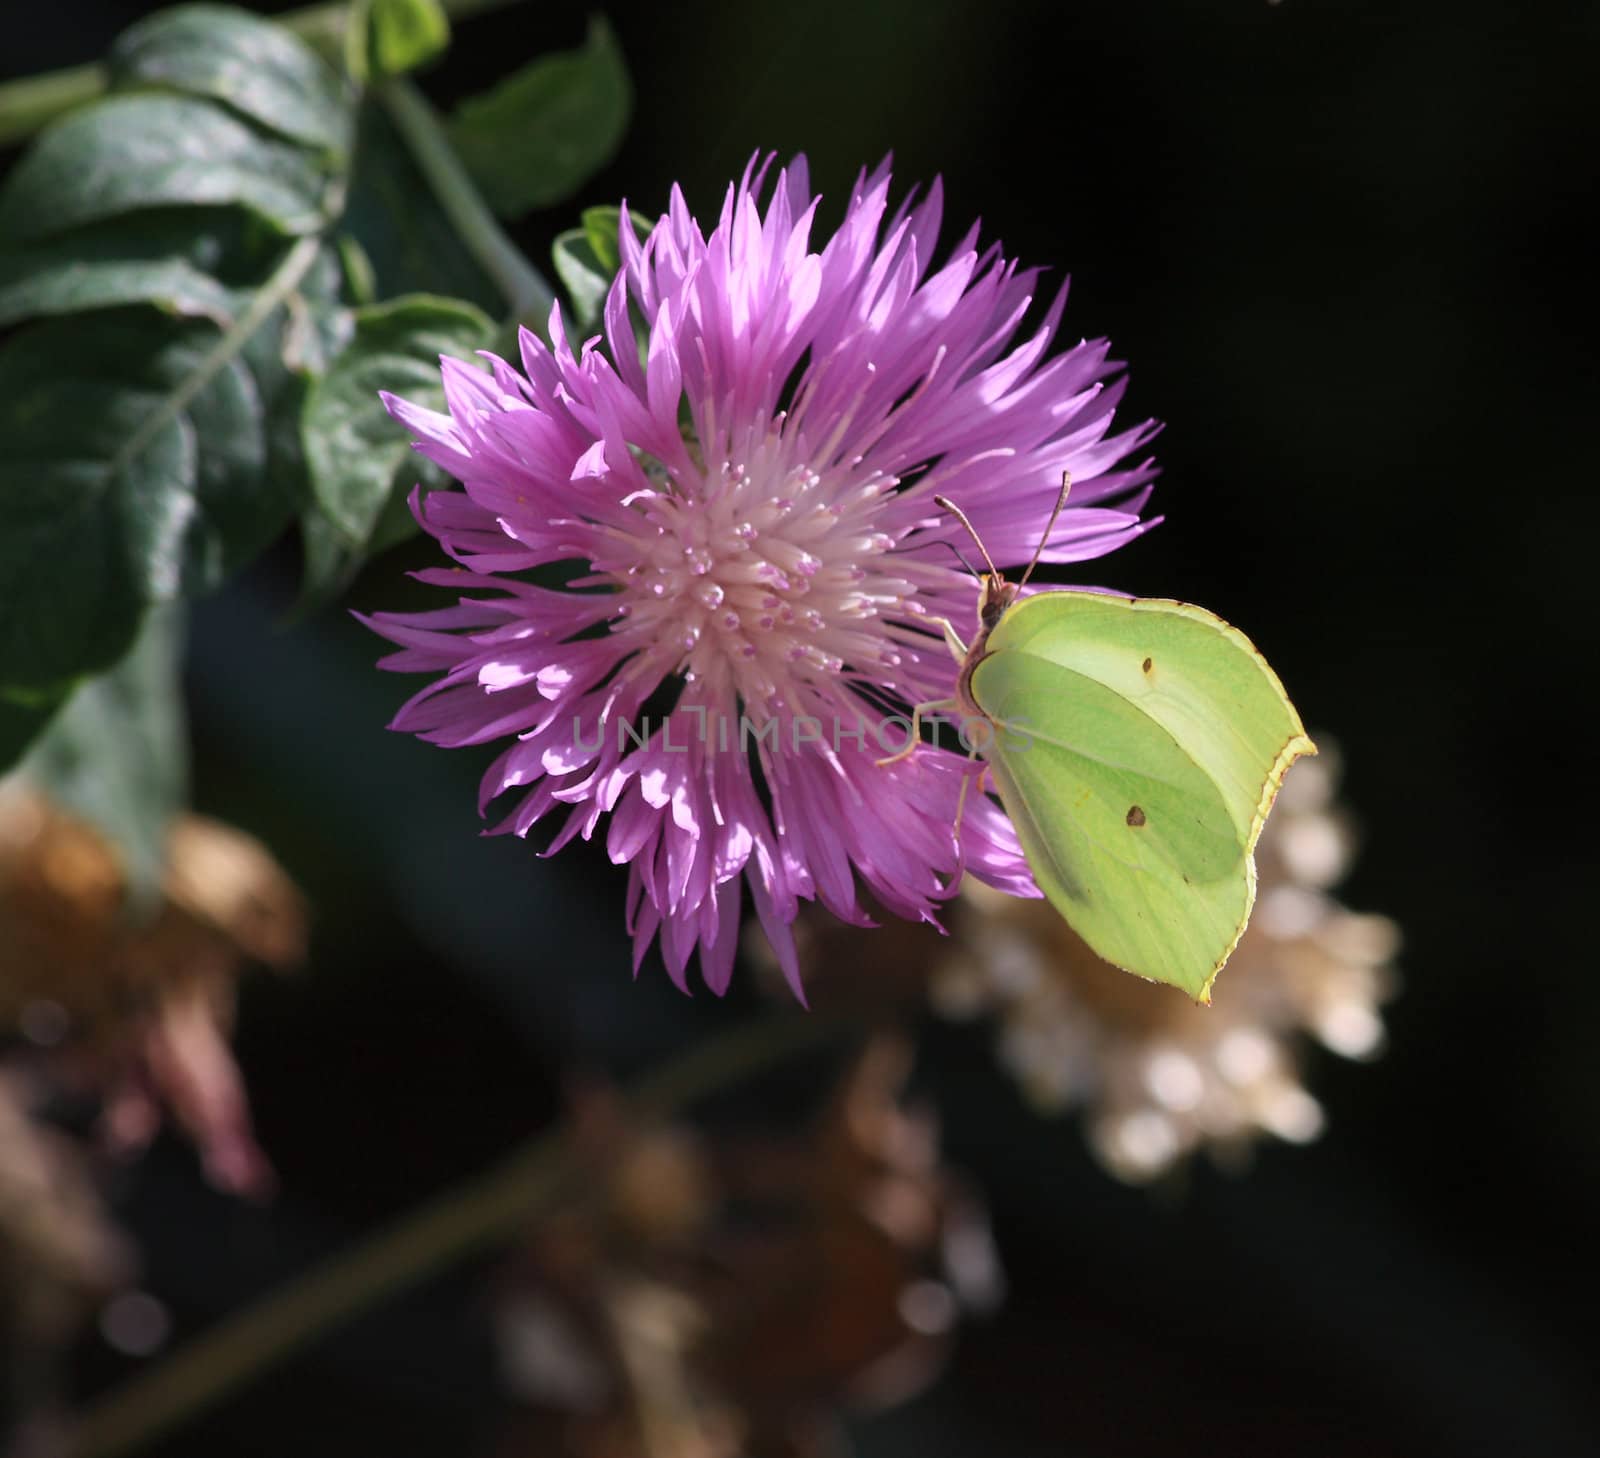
x,y
1138,747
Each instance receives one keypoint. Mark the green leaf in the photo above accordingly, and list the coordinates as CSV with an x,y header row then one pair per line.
x,y
392,215
226,243
118,757
259,69
600,227
22,721
56,283
360,278
286,355
587,260
135,470
403,34
154,450
534,139
583,275
328,564
189,262
353,449
311,328
131,152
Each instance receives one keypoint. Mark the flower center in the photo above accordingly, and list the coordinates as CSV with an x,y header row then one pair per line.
x,y
765,574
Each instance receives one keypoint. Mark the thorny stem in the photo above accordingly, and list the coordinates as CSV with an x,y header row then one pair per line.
x,y
28,104
495,1206
528,296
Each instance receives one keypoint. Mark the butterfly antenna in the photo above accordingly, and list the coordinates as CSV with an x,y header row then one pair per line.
x,y
1050,526
961,558
961,517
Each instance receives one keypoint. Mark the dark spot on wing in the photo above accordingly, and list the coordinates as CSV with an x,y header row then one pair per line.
x,y
1148,665
1135,816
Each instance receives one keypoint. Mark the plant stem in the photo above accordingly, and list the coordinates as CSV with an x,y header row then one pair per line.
x,y
29,103
324,24
492,1207
26,105
527,294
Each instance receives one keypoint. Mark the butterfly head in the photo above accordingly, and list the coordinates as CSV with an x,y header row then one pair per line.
x,y
998,596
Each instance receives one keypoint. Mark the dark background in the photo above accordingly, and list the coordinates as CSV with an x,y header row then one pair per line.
x,y
1347,249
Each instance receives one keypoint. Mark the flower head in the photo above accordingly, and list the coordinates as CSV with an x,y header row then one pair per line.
x,y
755,568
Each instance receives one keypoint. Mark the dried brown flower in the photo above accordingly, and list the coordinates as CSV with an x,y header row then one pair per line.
x,y
724,1298
60,1257
140,1008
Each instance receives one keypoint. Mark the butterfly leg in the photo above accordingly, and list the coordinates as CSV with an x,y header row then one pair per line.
x,y
914,738
961,810
953,641
966,784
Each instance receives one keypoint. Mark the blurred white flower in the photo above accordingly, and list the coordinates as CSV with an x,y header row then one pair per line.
x,y
1156,1075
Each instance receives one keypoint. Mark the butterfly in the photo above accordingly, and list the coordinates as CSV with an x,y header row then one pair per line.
x,y
1137,745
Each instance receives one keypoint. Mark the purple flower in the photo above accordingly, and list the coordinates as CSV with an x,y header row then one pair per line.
x,y
702,585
